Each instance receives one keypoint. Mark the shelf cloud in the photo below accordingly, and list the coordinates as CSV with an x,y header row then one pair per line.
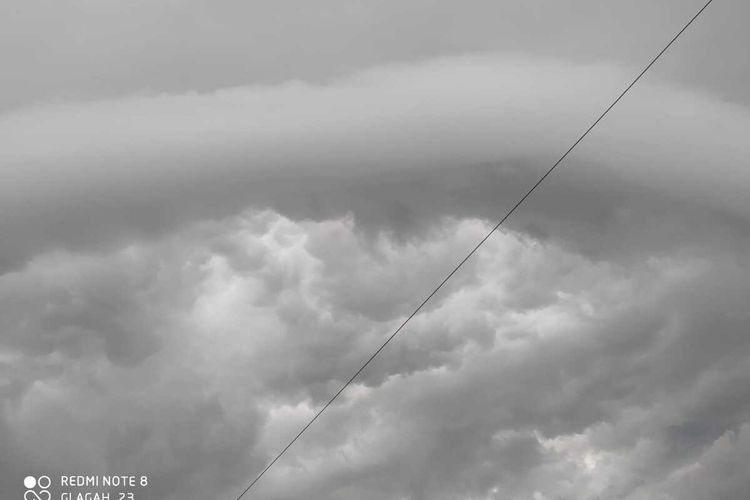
x,y
197,249
84,174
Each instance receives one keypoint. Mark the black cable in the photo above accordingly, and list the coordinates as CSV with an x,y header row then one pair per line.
x,y
473,251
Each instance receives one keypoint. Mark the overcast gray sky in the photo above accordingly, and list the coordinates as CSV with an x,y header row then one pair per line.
x,y
211,213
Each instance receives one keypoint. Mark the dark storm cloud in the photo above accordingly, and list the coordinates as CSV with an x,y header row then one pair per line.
x,y
212,213
539,372
392,145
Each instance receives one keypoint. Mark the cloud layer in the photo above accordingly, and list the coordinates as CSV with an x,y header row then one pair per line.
x,y
207,227
83,175
56,51
538,372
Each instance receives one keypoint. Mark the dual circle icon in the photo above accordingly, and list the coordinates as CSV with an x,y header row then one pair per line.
x,y
41,482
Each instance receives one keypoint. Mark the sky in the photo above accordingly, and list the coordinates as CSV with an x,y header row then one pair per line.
x,y
212,213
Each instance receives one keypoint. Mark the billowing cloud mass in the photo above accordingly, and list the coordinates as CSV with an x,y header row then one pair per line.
x,y
538,372
191,267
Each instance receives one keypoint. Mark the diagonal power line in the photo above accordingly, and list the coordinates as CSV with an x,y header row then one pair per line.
x,y
474,250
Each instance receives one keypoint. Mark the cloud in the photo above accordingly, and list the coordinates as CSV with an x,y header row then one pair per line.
x,y
97,174
175,46
538,373
220,214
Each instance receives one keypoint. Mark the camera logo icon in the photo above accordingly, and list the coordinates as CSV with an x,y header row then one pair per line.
x,y
37,488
